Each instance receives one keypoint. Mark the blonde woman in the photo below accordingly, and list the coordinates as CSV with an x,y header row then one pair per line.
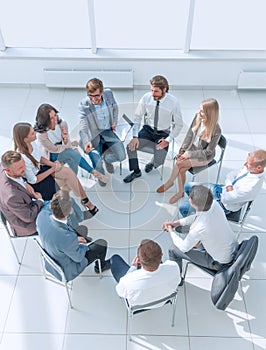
x,y
43,174
198,147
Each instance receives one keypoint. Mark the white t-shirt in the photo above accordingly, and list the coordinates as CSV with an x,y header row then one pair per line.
x,y
141,286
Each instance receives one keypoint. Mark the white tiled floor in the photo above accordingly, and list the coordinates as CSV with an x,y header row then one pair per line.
x,y
34,313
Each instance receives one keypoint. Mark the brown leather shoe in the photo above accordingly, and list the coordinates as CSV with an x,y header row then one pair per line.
x,y
161,189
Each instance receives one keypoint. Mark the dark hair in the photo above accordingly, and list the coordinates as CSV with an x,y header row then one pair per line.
x,y
42,120
61,204
201,196
20,132
10,157
150,254
160,82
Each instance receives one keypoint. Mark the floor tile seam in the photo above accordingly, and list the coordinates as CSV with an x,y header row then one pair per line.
x,y
25,101
9,306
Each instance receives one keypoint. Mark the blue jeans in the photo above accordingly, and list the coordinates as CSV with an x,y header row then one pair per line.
x,y
109,140
186,209
119,267
72,158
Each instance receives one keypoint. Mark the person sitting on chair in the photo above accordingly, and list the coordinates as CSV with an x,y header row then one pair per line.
x,y
198,147
162,123
241,185
210,241
98,120
61,242
147,279
54,141
19,202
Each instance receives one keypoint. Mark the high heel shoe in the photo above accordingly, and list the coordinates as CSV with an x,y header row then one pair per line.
x,y
88,213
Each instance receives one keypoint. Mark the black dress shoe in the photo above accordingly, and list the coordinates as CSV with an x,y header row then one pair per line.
x,y
106,266
181,282
132,176
149,167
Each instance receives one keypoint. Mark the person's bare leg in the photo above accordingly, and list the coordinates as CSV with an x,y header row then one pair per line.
x,y
181,184
68,181
170,182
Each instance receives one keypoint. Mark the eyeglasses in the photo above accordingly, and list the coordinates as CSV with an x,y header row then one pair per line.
x,y
94,96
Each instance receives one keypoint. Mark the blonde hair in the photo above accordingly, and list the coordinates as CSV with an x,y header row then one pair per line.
x,y
211,110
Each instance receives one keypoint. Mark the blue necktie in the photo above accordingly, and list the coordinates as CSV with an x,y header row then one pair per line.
x,y
238,178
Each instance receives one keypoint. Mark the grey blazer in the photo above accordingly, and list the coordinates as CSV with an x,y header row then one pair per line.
x,y
206,150
61,243
18,207
88,128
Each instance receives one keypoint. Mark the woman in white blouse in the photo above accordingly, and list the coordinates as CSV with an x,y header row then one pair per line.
x,y
198,148
44,175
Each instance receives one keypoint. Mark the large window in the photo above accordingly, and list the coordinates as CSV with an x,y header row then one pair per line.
x,y
47,24
138,24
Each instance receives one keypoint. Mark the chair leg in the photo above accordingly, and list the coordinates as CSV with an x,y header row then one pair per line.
x,y
185,272
129,324
100,268
14,250
68,295
173,313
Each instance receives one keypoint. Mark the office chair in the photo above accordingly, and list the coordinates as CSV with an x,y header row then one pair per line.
x,y
146,149
225,282
196,170
239,217
133,309
11,235
54,273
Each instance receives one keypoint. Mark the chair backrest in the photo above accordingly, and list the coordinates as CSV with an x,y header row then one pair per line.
x,y
222,145
240,215
5,223
226,281
11,236
49,264
153,304
123,129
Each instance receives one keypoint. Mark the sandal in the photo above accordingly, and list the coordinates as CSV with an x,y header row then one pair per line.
x,y
88,213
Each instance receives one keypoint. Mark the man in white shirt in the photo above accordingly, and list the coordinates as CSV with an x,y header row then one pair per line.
x,y
162,123
147,279
241,186
210,241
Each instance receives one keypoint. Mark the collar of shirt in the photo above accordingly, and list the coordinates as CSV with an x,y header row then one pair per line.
x,y
62,221
18,180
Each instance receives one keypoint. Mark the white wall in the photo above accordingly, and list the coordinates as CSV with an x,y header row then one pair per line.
x,y
197,69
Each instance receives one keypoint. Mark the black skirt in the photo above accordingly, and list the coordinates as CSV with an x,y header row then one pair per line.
x,y
47,187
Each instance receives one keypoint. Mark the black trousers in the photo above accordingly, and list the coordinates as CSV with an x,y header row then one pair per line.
x,y
97,250
148,137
